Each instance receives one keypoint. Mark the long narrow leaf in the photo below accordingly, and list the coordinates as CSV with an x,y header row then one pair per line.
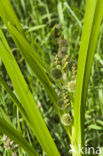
x,y
93,17
26,48
91,49
26,99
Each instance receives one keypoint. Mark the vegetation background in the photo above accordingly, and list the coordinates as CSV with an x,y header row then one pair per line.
x,y
39,19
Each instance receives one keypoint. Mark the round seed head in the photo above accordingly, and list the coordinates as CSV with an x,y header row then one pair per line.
x,y
66,119
61,104
64,49
56,73
59,41
64,42
58,26
71,86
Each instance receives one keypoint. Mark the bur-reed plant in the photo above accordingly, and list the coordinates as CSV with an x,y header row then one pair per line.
x,y
68,102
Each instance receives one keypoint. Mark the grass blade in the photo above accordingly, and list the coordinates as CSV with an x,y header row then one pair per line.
x,y
12,95
73,14
34,64
93,17
6,8
4,116
26,99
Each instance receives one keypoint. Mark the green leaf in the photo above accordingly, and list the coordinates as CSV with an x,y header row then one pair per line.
x,y
12,95
93,17
8,15
26,99
13,134
73,14
27,51
95,127
35,28
35,62
99,122
4,116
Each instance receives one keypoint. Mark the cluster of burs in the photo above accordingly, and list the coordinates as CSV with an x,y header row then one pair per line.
x,y
64,75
